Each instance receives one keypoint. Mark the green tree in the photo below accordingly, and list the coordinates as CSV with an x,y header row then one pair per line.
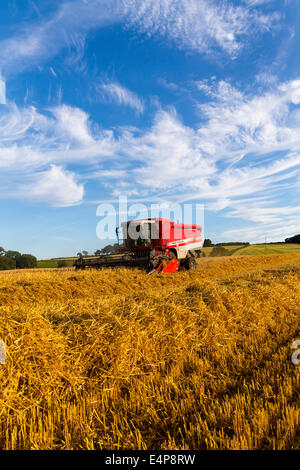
x,y
15,255
295,239
110,248
233,243
107,249
27,261
207,242
7,263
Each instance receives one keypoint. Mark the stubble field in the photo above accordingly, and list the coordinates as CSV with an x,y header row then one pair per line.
x,y
122,360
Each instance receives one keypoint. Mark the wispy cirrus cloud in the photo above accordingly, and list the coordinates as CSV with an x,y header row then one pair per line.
x,y
261,212
198,25
257,2
265,222
2,91
116,93
237,123
66,28
245,146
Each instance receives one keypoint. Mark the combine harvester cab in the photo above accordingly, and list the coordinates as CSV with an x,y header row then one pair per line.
x,y
157,245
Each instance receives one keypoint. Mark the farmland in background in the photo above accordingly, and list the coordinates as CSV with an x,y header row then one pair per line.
x,y
53,263
233,250
268,249
230,249
255,250
117,359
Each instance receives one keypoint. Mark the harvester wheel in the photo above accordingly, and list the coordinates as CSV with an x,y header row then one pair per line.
x,y
190,263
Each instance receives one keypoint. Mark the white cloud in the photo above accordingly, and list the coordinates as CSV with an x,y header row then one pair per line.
x,y
122,96
32,142
37,42
53,72
196,24
231,154
237,124
244,146
266,231
73,122
170,153
63,134
14,122
257,2
2,91
56,186
262,213
267,79
200,25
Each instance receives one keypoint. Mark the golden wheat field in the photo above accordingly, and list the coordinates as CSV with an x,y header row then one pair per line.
x,y
122,360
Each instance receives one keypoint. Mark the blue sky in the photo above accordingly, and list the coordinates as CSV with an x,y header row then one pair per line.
x,y
166,101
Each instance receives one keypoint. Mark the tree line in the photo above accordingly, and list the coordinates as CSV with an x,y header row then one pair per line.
x,y
294,239
208,242
104,251
15,260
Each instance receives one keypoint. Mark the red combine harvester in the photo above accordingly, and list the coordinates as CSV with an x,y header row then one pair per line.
x,y
157,245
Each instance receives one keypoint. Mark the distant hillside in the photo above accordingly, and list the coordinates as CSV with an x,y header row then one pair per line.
x,y
268,249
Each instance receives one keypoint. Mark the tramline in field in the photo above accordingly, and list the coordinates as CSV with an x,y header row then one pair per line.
x,y
157,245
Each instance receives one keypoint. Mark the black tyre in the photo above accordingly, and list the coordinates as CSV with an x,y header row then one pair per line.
x,y
190,263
